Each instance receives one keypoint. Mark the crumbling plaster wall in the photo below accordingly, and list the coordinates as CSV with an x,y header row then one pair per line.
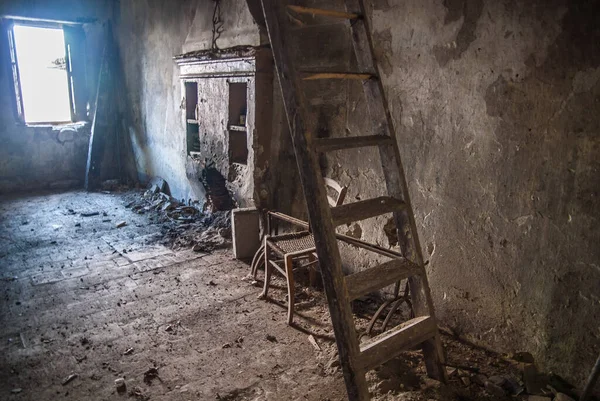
x,y
150,34
496,106
46,157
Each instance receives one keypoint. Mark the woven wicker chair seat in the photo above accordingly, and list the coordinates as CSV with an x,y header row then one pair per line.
x,y
294,242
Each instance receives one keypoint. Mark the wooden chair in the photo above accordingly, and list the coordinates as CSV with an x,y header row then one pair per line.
x,y
281,251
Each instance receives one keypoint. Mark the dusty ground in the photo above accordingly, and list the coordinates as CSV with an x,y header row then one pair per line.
x,y
82,297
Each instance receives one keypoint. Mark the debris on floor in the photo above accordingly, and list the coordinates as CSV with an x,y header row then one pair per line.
x,y
183,225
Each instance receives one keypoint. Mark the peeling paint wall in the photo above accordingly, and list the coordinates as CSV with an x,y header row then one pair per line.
x,y
46,157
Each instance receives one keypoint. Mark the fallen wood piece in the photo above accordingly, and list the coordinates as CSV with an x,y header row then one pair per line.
x,y
121,224
69,379
589,387
89,214
311,339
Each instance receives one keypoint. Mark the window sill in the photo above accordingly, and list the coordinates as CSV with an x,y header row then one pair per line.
x,y
58,126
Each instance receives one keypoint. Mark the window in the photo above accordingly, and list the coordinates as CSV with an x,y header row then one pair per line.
x,y
47,64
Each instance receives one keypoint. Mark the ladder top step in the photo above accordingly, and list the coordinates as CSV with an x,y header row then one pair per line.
x,y
378,277
391,343
325,13
311,76
365,209
349,142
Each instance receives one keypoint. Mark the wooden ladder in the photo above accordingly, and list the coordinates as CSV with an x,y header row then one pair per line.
x,y
357,358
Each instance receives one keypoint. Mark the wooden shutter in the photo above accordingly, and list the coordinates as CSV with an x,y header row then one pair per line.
x,y
76,64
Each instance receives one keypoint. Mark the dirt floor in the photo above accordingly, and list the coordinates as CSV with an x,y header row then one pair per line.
x,y
85,303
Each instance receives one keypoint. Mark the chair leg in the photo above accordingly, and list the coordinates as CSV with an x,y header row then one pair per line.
x,y
258,257
312,271
289,275
268,271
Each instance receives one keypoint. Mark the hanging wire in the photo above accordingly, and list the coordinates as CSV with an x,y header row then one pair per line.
x,y
217,21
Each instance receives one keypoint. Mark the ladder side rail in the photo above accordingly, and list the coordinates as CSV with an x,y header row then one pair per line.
x,y
396,182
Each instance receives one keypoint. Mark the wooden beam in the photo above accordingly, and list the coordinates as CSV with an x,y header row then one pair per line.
x,y
365,209
324,13
312,76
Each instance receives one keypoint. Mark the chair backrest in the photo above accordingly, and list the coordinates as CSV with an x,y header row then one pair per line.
x,y
340,190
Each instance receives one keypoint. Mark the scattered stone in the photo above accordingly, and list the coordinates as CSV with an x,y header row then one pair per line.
x,y
466,381
169,328
128,352
121,224
16,390
313,342
121,385
89,214
212,283
70,378
271,338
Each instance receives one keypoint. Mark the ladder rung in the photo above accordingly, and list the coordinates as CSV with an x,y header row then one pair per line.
x,y
389,344
379,277
325,13
311,76
331,144
362,210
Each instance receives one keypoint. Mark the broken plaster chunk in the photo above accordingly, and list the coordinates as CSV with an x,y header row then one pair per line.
x,y
121,224
120,385
16,390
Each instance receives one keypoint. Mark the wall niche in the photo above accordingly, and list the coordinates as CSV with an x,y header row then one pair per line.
x,y
228,115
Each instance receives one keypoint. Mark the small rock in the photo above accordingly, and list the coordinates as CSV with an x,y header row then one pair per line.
x,y
271,338
120,385
89,214
121,224
16,390
466,381
128,352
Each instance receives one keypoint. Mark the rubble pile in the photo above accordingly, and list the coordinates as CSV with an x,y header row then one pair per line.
x,y
184,225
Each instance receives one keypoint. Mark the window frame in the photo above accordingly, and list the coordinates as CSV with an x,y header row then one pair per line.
x,y
76,97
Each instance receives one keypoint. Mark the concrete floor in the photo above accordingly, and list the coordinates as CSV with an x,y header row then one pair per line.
x,y
77,293
83,297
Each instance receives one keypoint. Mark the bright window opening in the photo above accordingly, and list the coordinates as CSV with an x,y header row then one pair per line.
x,y
44,81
